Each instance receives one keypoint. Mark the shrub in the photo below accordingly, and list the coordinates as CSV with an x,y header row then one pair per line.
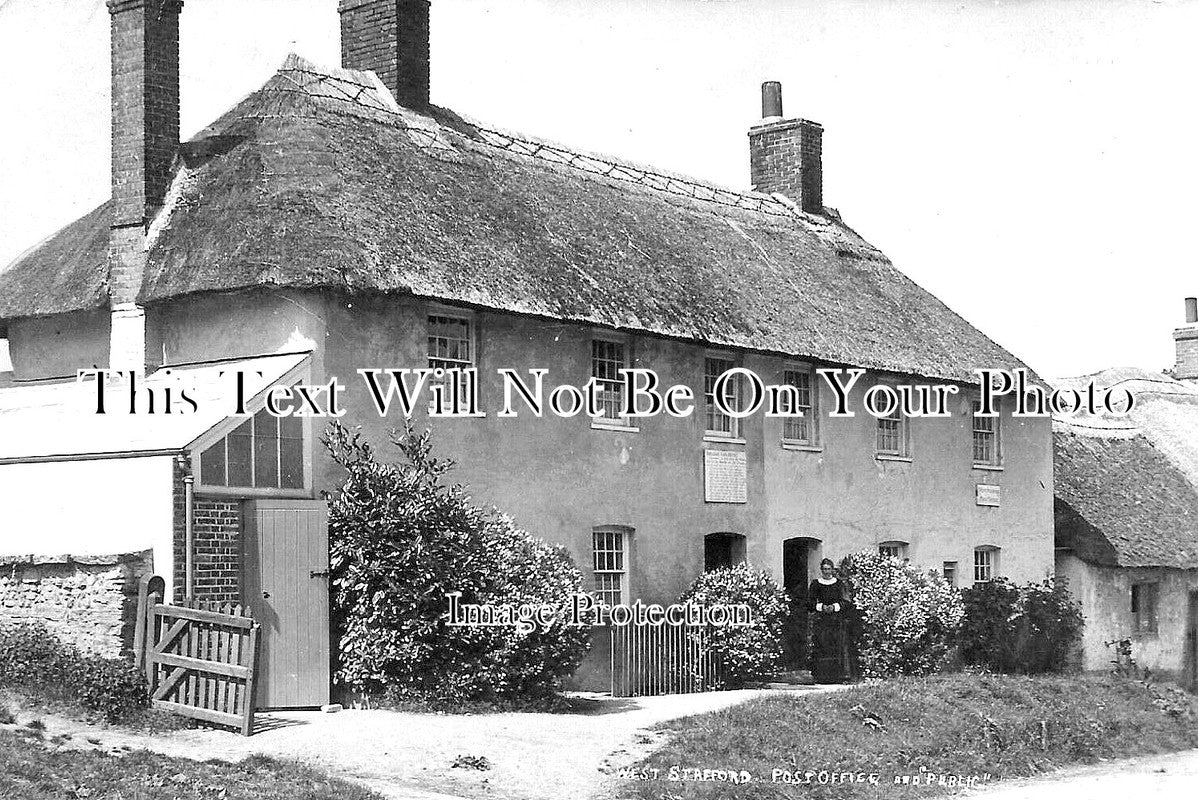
x,y
33,660
908,618
400,542
752,652
1028,629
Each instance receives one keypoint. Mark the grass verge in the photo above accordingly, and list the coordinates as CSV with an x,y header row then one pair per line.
x,y
882,740
33,769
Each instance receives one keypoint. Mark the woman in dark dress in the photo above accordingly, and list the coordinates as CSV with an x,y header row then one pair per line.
x,y
829,607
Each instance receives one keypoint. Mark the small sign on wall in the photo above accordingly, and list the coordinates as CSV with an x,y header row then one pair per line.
x,y
724,477
989,495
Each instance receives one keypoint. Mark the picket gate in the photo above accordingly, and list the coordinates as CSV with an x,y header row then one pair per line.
x,y
200,658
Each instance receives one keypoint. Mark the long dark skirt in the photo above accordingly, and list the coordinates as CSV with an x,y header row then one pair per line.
x,y
829,648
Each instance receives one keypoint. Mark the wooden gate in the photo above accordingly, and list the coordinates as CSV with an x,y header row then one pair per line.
x,y
662,659
200,659
287,590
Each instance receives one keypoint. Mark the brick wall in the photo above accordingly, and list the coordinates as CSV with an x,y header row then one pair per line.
x,y
88,601
216,539
391,38
1186,341
787,157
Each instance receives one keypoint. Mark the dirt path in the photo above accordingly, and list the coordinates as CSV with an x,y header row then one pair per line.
x,y
530,756
1159,777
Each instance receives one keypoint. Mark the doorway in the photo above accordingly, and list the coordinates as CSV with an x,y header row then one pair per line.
x,y
798,557
287,590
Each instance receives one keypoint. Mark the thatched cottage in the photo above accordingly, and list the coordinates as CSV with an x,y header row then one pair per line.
x,y
1127,517
337,220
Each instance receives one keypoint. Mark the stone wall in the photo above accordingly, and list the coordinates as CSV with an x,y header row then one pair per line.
x,y
87,601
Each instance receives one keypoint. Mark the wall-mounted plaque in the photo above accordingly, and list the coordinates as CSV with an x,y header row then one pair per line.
x,y
724,476
989,495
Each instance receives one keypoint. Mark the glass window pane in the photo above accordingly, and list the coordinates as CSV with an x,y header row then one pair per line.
x,y
240,447
212,465
291,452
266,450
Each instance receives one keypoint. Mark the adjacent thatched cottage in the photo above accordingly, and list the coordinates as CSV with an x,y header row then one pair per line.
x,y
338,215
1127,519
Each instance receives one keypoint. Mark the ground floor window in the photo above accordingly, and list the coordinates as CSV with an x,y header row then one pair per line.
x,y
949,571
610,558
1143,607
985,564
894,549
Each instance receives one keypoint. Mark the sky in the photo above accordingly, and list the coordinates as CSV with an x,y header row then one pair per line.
x,y
1030,162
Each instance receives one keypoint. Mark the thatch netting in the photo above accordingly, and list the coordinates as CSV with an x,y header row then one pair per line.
x,y
312,182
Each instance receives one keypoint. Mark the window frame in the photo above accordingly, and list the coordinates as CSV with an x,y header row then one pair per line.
x,y
624,535
985,557
994,432
1144,621
605,422
811,415
466,316
299,375
902,452
899,547
735,432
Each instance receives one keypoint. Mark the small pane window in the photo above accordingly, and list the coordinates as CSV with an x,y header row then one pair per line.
x,y
241,455
291,453
266,449
607,359
891,433
450,346
985,564
893,550
718,422
610,560
799,429
985,438
950,573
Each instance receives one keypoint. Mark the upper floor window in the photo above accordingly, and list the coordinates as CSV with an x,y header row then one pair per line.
x,y
985,564
607,359
719,423
892,433
450,342
610,545
985,438
264,452
799,430
1143,607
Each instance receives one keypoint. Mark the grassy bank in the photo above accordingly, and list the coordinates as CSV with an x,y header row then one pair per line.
x,y
858,743
34,769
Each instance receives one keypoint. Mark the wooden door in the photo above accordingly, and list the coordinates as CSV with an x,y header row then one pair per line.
x,y
287,589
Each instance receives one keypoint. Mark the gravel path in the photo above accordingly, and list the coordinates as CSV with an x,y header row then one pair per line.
x,y
401,755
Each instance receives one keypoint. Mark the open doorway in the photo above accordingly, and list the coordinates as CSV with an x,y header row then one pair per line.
x,y
799,561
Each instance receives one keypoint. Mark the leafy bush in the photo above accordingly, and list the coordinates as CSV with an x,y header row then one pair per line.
x,y
1028,629
752,652
908,618
33,660
400,542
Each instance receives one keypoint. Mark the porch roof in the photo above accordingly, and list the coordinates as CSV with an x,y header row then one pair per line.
x,y
59,421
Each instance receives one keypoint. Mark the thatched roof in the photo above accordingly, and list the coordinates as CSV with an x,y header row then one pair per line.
x,y
319,181
1127,487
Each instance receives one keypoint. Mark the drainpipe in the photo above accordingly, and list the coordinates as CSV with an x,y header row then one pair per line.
x,y
189,533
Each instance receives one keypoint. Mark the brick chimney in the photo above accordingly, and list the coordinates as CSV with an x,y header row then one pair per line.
x,y
1186,340
145,139
391,39
786,155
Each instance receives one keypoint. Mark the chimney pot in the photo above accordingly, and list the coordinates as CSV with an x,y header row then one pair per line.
x,y
771,100
1191,310
786,155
